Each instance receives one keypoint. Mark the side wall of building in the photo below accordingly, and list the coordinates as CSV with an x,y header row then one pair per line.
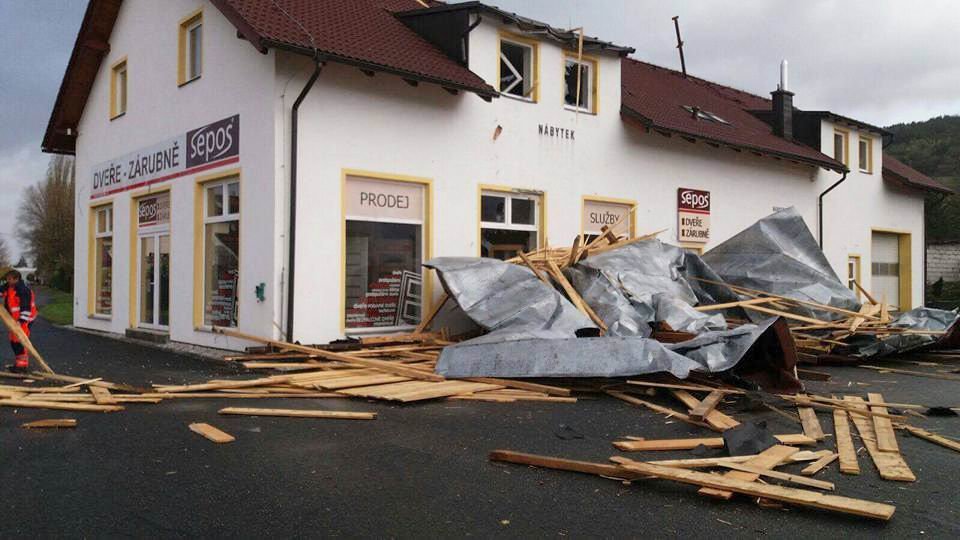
x,y
236,80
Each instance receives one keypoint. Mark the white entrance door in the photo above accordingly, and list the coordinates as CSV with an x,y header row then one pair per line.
x,y
154,272
885,268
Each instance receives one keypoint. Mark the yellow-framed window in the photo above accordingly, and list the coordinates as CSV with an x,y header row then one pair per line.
x,y
217,251
865,154
118,88
841,146
599,212
580,83
511,222
853,273
518,71
190,48
100,251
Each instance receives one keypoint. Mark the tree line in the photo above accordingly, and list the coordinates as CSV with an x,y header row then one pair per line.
x,y
45,223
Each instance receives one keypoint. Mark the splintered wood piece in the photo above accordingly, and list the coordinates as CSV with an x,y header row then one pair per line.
x,y
845,449
706,405
819,464
811,425
23,339
696,463
211,433
933,437
419,390
533,268
51,423
800,497
886,437
102,395
760,471
768,459
524,385
658,408
890,464
39,404
927,374
299,413
561,464
709,442
574,296
714,418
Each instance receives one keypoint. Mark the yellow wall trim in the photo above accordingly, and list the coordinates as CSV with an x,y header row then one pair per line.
x,y
427,276
184,24
846,145
869,141
115,68
92,254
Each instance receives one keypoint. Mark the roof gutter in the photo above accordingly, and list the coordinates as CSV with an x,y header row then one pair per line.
x,y
292,249
820,208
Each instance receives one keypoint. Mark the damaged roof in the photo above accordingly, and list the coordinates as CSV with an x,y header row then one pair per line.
x,y
666,101
895,170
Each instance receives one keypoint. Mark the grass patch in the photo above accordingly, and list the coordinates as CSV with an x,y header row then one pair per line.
x,y
59,308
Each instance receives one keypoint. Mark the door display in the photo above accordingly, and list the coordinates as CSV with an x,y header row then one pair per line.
x,y
885,268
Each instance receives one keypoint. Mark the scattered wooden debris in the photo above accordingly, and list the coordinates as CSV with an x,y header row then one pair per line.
x,y
890,464
845,449
212,433
818,465
299,413
932,437
709,442
51,423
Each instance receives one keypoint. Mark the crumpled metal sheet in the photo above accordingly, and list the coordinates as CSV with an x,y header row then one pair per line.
x,y
599,357
779,255
921,318
635,285
508,300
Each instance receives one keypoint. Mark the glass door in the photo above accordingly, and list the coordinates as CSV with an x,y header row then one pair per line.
x,y
154,281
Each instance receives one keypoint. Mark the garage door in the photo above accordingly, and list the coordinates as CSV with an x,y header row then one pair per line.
x,y
885,268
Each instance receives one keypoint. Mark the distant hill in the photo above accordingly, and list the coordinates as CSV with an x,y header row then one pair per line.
x,y
933,148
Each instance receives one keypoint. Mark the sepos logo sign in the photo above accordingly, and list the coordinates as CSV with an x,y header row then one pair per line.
x,y
693,215
199,149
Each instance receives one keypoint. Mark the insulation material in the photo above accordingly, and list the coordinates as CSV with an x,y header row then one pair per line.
x,y
779,255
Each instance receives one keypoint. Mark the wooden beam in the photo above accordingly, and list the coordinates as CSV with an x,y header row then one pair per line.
x,y
299,413
845,448
696,463
760,471
789,495
944,376
425,323
39,404
533,460
212,433
932,437
716,419
810,423
706,405
23,339
657,408
890,465
768,459
51,423
709,442
883,427
816,466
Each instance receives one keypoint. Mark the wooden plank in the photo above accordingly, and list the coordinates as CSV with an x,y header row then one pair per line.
x,y
696,463
658,408
102,396
540,276
82,383
819,464
930,375
524,385
38,404
845,449
574,296
784,314
933,437
810,423
23,339
388,367
883,427
418,390
709,442
51,423
706,405
714,418
533,460
768,459
760,471
694,388
299,413
780,493
425,323
212,433
890,465
728,305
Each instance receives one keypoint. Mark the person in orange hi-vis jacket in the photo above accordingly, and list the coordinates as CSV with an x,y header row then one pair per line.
x,y
19,302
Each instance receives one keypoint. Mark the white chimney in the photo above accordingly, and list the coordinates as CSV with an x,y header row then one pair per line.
x,y
783,76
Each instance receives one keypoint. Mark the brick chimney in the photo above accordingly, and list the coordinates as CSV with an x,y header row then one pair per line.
x,y
783,106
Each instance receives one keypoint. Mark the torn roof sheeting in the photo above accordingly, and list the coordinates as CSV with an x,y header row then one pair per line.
x,y
779,255
508,300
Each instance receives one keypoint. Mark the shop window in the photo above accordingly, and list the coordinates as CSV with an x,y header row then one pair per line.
x,y
841,146
103,261
190,48
509,224
118,89
865,154
599,213
221,252
579,84
385,239
518,63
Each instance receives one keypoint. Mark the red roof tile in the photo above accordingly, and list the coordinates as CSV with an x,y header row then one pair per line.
x,y
358,32
657,96
897,171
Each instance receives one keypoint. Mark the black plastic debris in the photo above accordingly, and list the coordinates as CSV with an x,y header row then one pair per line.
x,y
748,438
940,411
567,433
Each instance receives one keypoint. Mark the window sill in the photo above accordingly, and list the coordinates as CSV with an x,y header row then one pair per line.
x,y
181,84
517,98
100,317
114,117
866,171
579,110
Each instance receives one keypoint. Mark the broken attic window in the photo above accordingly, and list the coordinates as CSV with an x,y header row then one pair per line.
x,y
516,69
701,114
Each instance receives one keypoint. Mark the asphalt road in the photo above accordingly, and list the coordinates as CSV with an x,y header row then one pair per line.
x,y
418,470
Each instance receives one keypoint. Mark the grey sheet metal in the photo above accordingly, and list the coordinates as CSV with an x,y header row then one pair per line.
x,y
921,318
779,255
508,300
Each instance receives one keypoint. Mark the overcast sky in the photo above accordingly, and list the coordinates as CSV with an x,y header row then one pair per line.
x,y
881,62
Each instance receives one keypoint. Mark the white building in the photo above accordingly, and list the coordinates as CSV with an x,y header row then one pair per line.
x,y
452,130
